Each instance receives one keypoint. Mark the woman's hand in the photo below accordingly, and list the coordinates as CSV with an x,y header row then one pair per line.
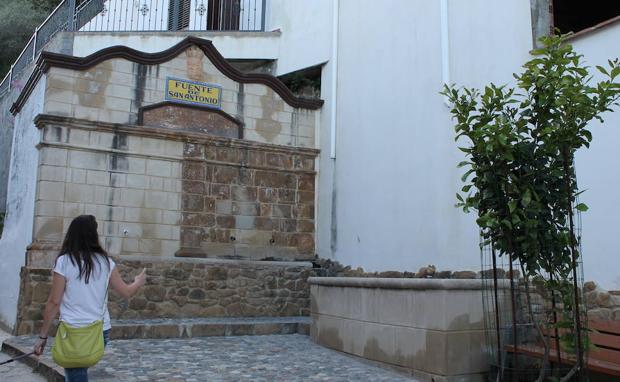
x,y
40,346
140,279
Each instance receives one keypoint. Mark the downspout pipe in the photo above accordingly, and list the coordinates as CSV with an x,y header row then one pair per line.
x,y
445,46
334,89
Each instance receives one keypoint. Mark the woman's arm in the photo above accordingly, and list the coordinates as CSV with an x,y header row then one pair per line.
x,y
124,289
51,310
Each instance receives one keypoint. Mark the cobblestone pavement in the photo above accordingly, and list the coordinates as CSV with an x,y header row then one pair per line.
x,y
16,371
225,359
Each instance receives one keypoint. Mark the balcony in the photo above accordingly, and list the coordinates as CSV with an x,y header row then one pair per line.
x,y
139,16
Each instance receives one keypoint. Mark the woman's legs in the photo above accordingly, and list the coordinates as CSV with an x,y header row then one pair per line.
x,y
81,374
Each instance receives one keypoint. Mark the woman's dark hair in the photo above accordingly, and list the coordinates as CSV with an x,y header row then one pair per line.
x,y
82,245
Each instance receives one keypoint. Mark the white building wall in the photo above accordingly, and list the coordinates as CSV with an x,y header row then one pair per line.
x,y
306,32
18,225
598,173
396,173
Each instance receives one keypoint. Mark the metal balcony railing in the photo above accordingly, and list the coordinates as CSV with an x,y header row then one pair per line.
x,y
139,16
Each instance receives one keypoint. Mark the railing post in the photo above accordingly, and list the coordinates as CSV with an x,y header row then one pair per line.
x,y
71,21
34,44
11,76
264,12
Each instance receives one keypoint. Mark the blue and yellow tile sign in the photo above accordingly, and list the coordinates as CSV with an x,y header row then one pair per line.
x,y
195,93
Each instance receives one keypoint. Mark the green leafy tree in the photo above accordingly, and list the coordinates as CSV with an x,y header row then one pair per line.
x,y
18,20
520,178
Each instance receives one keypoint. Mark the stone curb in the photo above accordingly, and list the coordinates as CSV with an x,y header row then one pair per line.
x,y
160,329
403,283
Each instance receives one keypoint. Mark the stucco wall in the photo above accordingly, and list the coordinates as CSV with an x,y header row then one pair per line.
x,y
232,45
597,172
396,159
304,41
18,225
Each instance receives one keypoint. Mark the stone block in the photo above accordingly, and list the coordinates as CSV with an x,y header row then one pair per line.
x,y
51,191
244,222
58,108
155,199
247,209
150,246
275,180
87,160
194,171
75,175
171,217
137,181
130,245
48,228
53,156
89,113
192,203
225,174
79,193
158,167
243,193
52,173
226,221
220,191
49,208
264,223
132,198
72,209
267,195
78,137
101,178
194,187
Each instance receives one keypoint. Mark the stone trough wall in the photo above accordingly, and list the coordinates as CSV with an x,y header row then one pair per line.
x,y
188,288
430,329
163,194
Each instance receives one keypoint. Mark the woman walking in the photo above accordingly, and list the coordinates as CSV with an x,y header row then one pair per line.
x,y
80,280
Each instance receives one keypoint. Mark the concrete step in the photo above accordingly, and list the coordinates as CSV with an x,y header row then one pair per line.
x,y
207,327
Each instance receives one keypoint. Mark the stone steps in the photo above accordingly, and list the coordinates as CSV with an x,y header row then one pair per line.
x,y
208,327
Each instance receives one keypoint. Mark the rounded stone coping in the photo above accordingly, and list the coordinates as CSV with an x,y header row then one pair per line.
x,y
403,283
192,260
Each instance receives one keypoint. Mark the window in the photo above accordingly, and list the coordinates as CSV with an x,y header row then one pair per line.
x,y
178,14
577,15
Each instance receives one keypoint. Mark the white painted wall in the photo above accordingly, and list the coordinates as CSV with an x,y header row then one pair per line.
x,y
598,173
19,221
306,28
396,159
232,45
395,176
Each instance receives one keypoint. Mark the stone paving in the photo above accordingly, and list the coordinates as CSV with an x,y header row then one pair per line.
x,y
225,359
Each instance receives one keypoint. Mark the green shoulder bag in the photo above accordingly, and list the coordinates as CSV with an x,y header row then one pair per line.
x,y
79,347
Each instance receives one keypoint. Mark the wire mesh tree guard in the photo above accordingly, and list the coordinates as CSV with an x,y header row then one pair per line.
x,y
519,314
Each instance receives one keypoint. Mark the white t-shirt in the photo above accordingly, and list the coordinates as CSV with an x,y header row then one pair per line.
x,y
82,304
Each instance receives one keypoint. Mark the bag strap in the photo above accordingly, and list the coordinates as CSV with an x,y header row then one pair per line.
x,y
105,298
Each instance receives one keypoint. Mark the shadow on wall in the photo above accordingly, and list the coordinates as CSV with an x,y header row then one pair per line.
x,y
1,222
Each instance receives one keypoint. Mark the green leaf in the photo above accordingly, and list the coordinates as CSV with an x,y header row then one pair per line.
x,y
526,199
512,206
466,175
581,207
